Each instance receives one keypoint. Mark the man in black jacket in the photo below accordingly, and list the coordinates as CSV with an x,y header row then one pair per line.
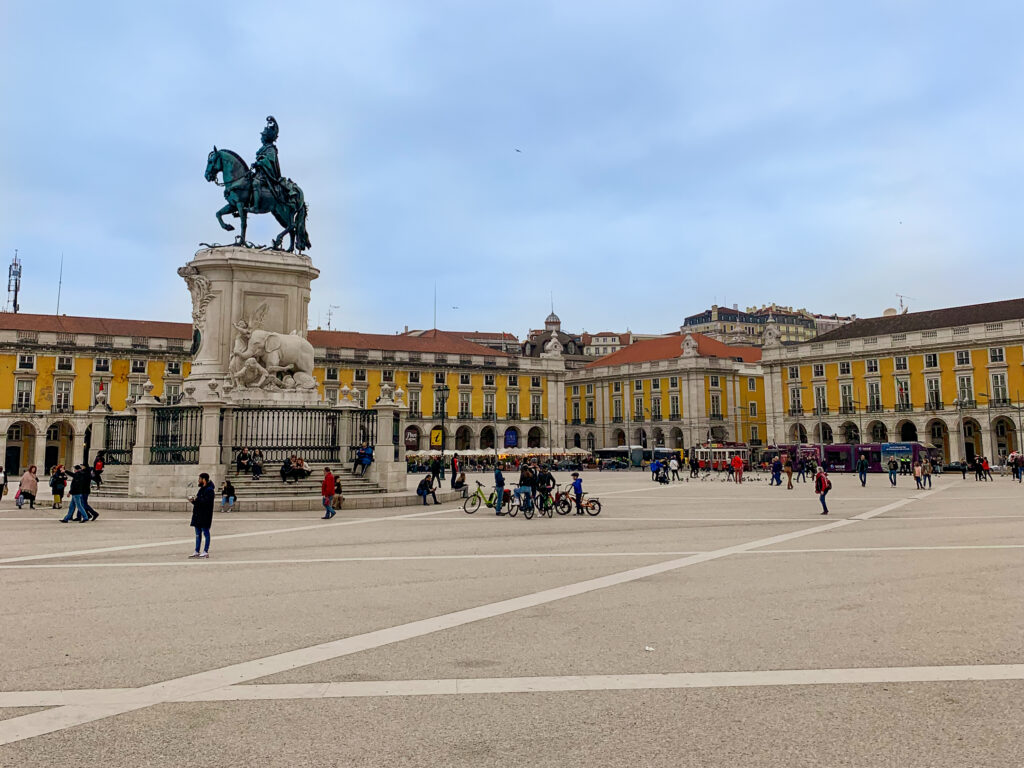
x,y
80,481
202,514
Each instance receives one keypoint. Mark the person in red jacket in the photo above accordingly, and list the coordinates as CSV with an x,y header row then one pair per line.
x,y
327,491
737,468
822,485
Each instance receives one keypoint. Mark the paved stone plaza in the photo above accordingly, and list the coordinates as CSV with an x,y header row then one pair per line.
x,y
701,624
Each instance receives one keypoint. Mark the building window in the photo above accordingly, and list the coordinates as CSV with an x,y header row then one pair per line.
x,y
673,407
26,362
440,378
963,357
846,397
488,379
713,381
617,386
871,365
932,388
138,366
331,394
331,374
751,384
820,399
101,365
752,407
388,376
716,404
590,410
172,393
414,377
489,405
535,381
903,392
535,410
575,412
638,385
874,396
900,363
818,370
360,374
23,394
999,391
65,363
844,368
656,408
590,389
464,404
97,387
575,389
794,372
965,386
995,355
134,391
513,380
931,360
755,433
795,403
673,381
464,379
414,403
638,408
62,395
174,368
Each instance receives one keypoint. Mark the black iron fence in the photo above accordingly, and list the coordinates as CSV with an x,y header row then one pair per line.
x,y
311,433
119,438
177,433
363,429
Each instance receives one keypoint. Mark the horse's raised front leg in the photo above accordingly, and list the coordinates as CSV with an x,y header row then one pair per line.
x,y
226,209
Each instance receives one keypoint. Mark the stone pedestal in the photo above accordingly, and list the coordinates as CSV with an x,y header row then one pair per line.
x,y
247,288
386,471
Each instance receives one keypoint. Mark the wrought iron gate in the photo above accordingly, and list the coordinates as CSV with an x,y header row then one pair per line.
x,y
177,434
363,429
119,438
311,433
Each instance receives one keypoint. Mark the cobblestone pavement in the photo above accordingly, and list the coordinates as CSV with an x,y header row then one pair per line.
x,y
698,624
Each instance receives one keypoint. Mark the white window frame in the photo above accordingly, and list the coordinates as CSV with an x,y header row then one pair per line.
x,y
134,366
817,370
963,357
845,368
996,355
68,366
26,361
414,377
931,360
871,365
900,363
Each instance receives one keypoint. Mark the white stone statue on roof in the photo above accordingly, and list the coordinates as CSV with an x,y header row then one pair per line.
x,y
772,335
553,348
689,346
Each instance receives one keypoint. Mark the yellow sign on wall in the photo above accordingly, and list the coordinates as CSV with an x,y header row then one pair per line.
x,y
436,437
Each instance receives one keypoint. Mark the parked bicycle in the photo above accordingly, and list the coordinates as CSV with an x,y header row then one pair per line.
x,y
592,505
478,498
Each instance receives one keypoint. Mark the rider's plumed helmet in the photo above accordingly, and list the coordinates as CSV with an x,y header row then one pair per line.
x,y
270,132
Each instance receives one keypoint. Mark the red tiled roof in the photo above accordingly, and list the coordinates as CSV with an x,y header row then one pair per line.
x,y
100,326
502,335
670,347
443,342
950,317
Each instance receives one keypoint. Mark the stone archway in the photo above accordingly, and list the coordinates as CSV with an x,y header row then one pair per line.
x,y
412,437
659,438
823,433
577,441
851,433
798,433
619,437
972,439
591,443
640,437
21,447
878,432
487,439
1004,434
938,435
60,437
907,431
463,438
534,437
446,437
511,438
676,437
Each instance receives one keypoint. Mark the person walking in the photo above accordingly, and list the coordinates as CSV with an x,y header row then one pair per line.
x,y
776,472
963,468
673,465
499,489
926,473
862,470
694,466
227,496
822,485
97,470
918,475
3,482
894,467
80,483
29,487
788,467
986,468
86,490
327,493
58,482
202,514
801,469
456,465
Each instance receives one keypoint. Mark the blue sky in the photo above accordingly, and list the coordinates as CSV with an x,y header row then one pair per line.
x,y
827,155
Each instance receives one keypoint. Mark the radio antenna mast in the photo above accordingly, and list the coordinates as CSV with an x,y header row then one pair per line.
x,y
60,281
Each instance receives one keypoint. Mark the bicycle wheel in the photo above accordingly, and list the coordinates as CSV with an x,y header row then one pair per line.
x,y
593,507
512,509
564,506
528,512
550,509
471,505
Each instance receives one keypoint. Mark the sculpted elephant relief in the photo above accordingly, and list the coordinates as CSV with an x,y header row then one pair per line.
x,y
264,359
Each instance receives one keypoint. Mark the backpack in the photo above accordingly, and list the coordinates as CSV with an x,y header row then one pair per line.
x,y
828,484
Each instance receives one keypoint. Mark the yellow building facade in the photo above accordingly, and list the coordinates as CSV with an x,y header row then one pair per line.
x,y
952,378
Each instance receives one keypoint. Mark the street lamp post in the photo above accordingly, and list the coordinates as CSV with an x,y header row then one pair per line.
x,y
959,403
443,391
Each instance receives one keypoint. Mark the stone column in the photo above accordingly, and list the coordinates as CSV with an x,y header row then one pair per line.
x,y
39,448
209,445
385,471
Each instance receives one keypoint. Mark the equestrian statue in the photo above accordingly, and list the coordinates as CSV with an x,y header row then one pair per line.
x,y
261,189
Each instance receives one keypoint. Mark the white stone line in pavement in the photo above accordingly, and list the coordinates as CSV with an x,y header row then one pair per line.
x,y
59,718
495,556
220,537
463,686
546,684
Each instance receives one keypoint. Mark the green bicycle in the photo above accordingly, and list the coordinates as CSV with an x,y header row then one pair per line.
x,y
473,502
